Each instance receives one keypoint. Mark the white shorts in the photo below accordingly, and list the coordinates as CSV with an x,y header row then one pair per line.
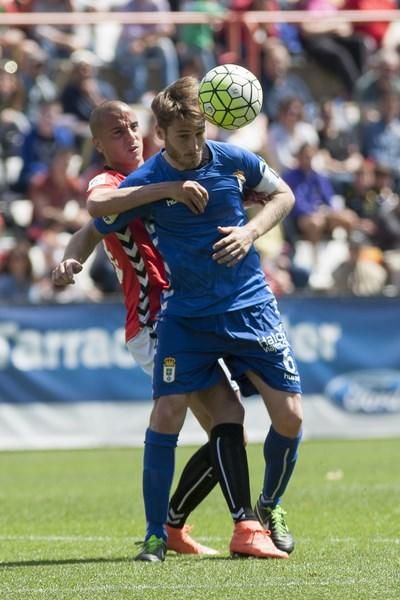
x,y
142,348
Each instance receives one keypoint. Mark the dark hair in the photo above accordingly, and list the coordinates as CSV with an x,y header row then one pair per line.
x,y
285,103
179,101
18,252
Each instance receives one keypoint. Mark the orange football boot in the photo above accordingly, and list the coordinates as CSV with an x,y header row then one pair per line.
x,y
180,541
250,539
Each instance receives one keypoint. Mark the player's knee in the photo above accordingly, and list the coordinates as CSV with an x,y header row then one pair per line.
x,y
289,426
168,414
228,411
235,412
294,425
290,419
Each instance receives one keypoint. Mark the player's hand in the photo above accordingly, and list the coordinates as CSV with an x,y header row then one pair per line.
x,y
193,195
64,273
233,246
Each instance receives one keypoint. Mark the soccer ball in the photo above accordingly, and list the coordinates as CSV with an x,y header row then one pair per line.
x,y
230,96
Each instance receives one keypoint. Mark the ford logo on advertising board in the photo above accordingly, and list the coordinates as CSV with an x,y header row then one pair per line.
x,y
370,392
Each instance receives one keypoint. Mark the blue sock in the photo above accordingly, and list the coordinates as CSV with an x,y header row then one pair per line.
x,y
280,455
158,471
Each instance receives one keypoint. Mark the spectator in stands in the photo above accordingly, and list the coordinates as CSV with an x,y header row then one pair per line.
x,y
339,154
253,137
46,254
16,275
13,124
17,6
142,47
190,65
363,273
380,139
57,40
373,32
11,90
58,197
388,211
262,32
10,38
288,134
383,75
32,73
388,221
237,55
315,215
361,197
84,89
333,45
199,40
39,145
283,275
279,83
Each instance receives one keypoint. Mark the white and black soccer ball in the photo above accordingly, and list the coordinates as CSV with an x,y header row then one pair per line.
x,y
230,96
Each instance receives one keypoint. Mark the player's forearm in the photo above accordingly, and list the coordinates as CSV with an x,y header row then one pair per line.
x,y
104,202
82,243
278,206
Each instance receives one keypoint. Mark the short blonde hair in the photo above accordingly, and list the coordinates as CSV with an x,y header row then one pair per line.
x,y
179,101
106,107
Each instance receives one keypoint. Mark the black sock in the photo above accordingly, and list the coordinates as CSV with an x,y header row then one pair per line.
x,y
196,482
229,458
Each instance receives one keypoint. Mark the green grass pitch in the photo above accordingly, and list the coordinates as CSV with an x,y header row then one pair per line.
x,y
69,521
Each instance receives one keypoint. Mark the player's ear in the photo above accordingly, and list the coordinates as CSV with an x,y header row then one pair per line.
x,y
160,133
97,144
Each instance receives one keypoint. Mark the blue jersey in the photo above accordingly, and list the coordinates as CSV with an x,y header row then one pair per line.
x,y
199,286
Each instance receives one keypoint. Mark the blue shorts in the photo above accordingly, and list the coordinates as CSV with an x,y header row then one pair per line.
x,y
252,338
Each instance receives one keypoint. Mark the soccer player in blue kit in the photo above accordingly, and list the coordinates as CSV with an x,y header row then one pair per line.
x,y
218,305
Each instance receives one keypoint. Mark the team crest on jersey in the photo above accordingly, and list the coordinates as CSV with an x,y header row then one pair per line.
x,y
241,179
100,179
171,201
169,366
110,219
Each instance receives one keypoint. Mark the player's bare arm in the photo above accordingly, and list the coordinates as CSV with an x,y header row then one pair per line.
x,y
78,249
237,241
105,201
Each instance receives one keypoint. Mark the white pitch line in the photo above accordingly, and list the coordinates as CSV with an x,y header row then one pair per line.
x,y
85,538
65,538
131,539
375,540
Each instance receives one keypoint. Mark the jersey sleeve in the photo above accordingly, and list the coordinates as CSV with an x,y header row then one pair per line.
x,y
116,222
259,176
112,223
103,180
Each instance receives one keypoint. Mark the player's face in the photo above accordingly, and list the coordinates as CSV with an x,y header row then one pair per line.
x,y
184,143
120,140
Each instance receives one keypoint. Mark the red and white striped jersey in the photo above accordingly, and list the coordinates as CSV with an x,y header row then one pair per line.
x,y
137,263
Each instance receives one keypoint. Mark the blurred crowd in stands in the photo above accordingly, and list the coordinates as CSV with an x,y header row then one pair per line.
x,y
330,125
